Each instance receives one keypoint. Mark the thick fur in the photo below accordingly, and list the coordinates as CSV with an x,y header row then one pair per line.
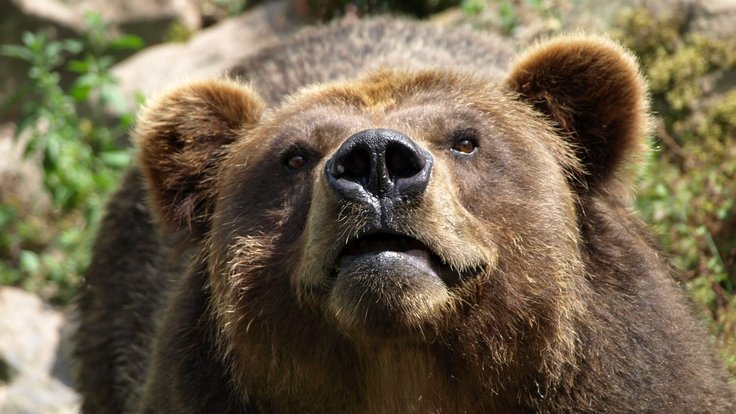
x,y
219,294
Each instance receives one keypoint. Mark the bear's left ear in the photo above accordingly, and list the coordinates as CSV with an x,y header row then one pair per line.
x,y
592,90
182,137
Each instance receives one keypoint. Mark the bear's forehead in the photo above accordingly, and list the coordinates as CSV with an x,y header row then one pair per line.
x,y
409,101
326,127
386,90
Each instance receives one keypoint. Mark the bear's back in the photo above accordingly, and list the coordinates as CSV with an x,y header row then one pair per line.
x,y
347,49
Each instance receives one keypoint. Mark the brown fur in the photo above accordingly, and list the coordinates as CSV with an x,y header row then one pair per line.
x,y
553,296
604,107
185,141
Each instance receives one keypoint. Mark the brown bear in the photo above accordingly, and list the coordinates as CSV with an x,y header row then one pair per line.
x,y
376,217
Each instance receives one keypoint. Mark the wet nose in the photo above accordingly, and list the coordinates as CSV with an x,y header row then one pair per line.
x,y
379,163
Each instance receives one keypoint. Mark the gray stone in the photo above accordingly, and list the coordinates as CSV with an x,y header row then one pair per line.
x,y
29,343
716,17
43,394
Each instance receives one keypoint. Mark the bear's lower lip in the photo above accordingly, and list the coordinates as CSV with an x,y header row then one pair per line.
x,y
400,248
386,293
420,259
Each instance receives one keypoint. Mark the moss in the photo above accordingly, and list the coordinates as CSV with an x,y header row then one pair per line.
x,y
651,36
687,191
678,62
720,120
178,32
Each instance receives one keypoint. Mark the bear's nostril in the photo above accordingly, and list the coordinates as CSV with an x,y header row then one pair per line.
x,y
402,161
354,166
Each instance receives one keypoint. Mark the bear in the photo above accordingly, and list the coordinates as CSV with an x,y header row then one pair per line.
x,y
383,216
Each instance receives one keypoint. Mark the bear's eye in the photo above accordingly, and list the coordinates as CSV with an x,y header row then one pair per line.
x,y
464,142
295,162
464,146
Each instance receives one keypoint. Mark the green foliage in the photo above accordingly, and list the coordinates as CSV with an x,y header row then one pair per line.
x,y
473,7
509,16
64,130
232,7
178,32
687,191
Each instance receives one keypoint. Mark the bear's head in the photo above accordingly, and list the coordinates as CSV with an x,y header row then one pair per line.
x,y
415,208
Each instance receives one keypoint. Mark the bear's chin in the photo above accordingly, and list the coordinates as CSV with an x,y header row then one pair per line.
x,y
387,294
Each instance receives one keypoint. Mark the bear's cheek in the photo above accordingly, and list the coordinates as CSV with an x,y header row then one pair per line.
x,y
259,218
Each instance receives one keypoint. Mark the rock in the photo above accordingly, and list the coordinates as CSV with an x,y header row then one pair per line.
x,y
717,17
526,22
31,395
29,343
31,15
211,52
150,20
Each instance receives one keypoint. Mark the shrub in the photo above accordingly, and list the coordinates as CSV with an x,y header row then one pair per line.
x,y
69,133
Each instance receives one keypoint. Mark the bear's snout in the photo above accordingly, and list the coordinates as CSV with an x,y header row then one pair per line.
x,y
378,164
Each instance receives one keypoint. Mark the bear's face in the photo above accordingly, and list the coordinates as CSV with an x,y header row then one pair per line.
x,y
402,207
396,199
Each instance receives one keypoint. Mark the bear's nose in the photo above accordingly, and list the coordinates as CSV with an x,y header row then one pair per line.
x,y
381,163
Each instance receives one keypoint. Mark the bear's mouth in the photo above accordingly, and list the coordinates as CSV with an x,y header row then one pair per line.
x,y
381,242
390,285
400,247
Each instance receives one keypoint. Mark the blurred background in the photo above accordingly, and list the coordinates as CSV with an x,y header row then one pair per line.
x,y
72,73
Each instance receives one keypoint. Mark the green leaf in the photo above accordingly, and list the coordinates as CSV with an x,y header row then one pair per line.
x,y
104,62
127,42
27,122
78,66
80,92
29,38
53,51
117,159
17,52
29,262
73,45
83,86
93,21
7,214
111,95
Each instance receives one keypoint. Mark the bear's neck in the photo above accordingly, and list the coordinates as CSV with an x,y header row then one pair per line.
x,y
401,377
414,378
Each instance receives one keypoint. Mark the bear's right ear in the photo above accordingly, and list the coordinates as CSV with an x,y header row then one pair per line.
x,y
181,138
